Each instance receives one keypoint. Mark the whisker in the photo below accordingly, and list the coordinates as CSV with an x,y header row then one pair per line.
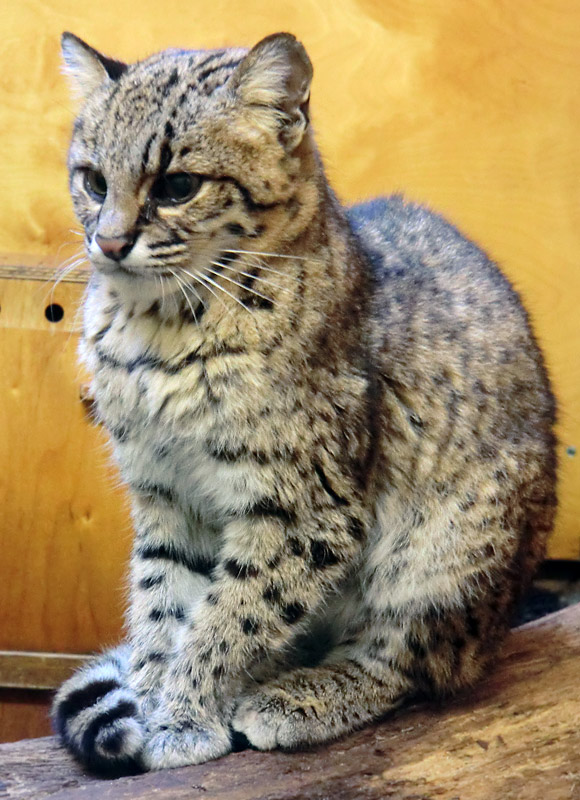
x,y
160,279
271,255
173,294
205,278
72,257
197,279
256,262
188,286
62,245
68,265
262,266
255,277
184,293
187,300
79,255
75,327
162,283
225,291
241,285
61,275
200,279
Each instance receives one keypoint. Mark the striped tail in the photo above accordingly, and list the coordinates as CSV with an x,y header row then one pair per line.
x,y
97,717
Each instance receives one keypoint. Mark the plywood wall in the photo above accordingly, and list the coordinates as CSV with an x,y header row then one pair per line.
x,y
64,527
472,107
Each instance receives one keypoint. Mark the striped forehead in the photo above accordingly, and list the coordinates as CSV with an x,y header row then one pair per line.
x,y
155,101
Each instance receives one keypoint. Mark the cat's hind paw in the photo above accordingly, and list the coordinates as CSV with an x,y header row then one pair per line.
x,y
273,718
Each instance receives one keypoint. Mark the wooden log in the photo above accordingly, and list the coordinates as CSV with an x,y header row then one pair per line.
x,y
515,737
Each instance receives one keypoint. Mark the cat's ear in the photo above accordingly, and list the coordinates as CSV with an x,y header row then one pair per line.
x,y
273,82
86,68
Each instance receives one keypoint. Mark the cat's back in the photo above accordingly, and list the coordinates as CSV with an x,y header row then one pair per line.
x,y
424,269
462,378
438,296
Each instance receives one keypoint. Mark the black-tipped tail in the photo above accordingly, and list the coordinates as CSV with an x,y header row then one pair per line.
x,y
96,715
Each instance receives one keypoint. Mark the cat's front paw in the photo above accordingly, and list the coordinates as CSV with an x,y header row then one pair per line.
x,y
181,743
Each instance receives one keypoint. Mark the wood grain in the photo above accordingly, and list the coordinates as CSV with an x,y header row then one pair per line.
x,y
64,529
24,714
22,670
515,737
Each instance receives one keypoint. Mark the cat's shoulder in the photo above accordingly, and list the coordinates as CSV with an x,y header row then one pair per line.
x,y
404,225
408,242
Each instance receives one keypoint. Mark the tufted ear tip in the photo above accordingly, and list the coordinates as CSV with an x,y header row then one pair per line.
x,y
275,77
293,49
67,37
85,67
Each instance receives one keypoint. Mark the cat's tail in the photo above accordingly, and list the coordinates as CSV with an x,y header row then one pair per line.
x,y
96,715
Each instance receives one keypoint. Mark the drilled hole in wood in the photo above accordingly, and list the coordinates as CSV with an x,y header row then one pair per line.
x,y
54,312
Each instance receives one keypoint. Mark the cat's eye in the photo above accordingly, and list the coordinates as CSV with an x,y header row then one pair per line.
x,y
95,184
176,187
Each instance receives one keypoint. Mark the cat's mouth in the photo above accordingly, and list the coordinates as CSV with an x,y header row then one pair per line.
x,y
131,271
113,268
116,269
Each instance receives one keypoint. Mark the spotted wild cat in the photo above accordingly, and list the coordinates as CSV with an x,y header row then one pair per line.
x,y
335,426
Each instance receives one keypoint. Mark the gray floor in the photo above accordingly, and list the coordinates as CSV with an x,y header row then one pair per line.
x,y
556,586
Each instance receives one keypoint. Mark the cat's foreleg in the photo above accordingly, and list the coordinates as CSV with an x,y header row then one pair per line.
x,y
170,573
101,712
313,705
432,650
272,573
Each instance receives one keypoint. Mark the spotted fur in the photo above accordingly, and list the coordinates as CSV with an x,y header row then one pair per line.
x,y
336,427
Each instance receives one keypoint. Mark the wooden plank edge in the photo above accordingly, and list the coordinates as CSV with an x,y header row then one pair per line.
x,y
32,270
30,670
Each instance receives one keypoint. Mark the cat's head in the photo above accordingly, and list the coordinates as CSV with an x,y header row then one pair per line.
x,y
188,155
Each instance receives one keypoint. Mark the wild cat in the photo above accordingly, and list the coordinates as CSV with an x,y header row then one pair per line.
x,y
336,426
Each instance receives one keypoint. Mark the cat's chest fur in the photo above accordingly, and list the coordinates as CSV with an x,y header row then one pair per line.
x,y
160,390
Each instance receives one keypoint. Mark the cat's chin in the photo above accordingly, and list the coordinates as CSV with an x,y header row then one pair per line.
x,y
132,286
116,270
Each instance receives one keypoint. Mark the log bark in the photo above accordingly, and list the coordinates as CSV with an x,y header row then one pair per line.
x,y
515,737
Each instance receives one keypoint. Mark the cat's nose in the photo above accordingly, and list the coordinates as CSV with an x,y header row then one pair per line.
x,y
118,247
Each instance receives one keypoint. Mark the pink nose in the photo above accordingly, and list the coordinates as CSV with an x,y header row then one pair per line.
x,y
116,248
